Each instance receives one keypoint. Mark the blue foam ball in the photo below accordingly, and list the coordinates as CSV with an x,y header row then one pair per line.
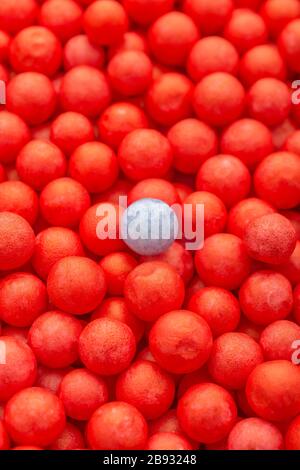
x,y
149,226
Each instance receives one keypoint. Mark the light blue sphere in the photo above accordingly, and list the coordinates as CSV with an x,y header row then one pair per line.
x,y
149,226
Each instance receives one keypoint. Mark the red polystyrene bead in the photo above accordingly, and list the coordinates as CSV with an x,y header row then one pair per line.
x,y
116,267
14,134
152,289
277,14
192,142
34,416
145,12
218,307
50,378
64,19
245,29
277,180
107,346
19,198
147,387
35,49
105,22
103,430
40,162
36,89
292,437
294,217
233,357
269,101
131,40
292,143
82,392
70,130
14,19
266,296
212,54
63,202
255,434
177,257
215,213
171,38
95,166
76,284
53,337
188,344
145,153
116,308
118,120
226,177
245,212
270,238
277,340
160,102
19,370
247,139
219,99
168,441
291,269
89,229
130,73
289,44
278,383
70,439
261,62
53,244
80,51
113,194
209,16
155,188
207,413
223,261
23,297
16,241
85,90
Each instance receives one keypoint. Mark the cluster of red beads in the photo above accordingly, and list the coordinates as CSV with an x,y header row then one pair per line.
x,y
191,102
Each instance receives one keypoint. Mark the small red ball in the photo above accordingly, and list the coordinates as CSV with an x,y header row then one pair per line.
x,y
233,357
70,439
212,54
168,441
292,143
34,416
266,296
192,142
35,49
14,19
70,130
219,99
209,16
23,297
50,378
95,166
82,393
169,99
16,241
80,51
40,162
223,261
76,285
207,413
292,438
63,18
187,345
105,22
262,61
117,426
19,198
245,212
249,140
277,340
116,267
14,134
85,90
147,387
255,434
54,337
152,289
118,120
218,307
154,188
63,202
19,370
289,43
145,153
277,14
107,346
273,390
277,180
245,29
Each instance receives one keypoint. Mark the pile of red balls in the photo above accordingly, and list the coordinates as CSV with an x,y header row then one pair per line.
x,y
190,102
